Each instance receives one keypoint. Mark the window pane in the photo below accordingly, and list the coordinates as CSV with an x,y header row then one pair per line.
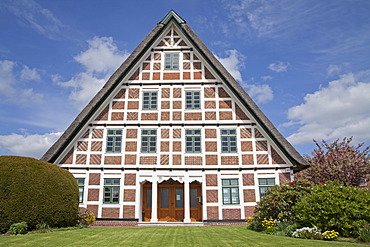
x,y
234,181
225,182
149,198
164,198
193,198
179,198
262,181
271,181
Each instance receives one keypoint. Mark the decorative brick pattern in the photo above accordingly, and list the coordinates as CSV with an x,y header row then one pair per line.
x,y
156,66
130,159
146,66
284,178
86,135
135,75
262,159
132,116
208,74
93,209
112,160
165,116
96,146
249,195
211,160
177,93
193,116
171,76
177,133
95,159
176,159
97,133
165,133
103,116
165,146
156,76
186,56
209,92
177,105
211,146
157,56
209,104
261,145
195,57
165,105
93,195
68,158
148,160
176,116
240,115
166,93
128,212
249,211
117,116
94,179
197,65
118,105
227,104
258,134
210,115
276,158
165,159
176,147
246,146
248,179
81,159
211,133
133,93
246,133
186,75
222,93
226,115
82,146
212,195
193,160
131,133
247,159
120,94
186,66
211,179
198,75
129,195
212,213
110,212
231,214
229,160
131,147
133,105
149,116
130,179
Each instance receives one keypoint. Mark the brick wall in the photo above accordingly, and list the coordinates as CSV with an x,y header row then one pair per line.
x,y
231,214
212,213
212,195
110,213
129,195
211,179
128,212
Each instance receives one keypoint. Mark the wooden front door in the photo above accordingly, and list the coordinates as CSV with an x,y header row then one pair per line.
x,y
196,201
170,202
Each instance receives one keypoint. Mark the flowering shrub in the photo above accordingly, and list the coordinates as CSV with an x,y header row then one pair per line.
x,y
330,235
308,233
269,223
85,217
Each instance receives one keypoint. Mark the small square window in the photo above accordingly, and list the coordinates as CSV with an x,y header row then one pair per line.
x,y
148,141
114,140
193,141
192,99
172,61
150,100
230,191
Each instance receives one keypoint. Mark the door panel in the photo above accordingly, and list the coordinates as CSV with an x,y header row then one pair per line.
x,y
196,202
171,202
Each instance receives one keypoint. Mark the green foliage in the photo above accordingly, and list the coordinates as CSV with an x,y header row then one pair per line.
x,y
308,233
85,217
280,199
18,228
286,228
336,207
43,228
330,235
364,233
36,192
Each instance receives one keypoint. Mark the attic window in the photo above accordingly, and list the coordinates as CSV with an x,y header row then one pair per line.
x,y
171,61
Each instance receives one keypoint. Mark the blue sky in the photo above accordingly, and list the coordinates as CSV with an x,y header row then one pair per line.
x,y
305,62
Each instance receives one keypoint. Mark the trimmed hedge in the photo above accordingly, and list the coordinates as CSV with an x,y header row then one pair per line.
x,y
36,192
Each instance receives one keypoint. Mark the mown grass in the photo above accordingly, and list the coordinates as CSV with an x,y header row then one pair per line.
x,y
161,236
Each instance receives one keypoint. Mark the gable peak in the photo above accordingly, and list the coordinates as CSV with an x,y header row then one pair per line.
x,y
172,15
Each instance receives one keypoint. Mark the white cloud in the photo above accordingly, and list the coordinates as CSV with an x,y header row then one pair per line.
x,y
279,66
27,145
260,93
341,109
233,63
100,60
28,74
266,78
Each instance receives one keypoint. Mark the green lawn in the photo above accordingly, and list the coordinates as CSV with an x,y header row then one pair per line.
x,y
160,236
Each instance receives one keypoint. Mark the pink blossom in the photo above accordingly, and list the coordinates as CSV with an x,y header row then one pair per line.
x,y
272,200
292,182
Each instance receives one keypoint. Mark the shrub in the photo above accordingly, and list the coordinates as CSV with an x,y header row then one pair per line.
x,y
336,207
18,228
308,233
36,192
43,228
364,233
286,228
85,217
280,199
330,235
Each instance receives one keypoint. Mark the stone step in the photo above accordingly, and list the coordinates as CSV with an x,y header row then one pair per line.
x,y
168,224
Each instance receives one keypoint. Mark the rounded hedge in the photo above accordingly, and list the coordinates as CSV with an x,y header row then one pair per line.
x,y
36,192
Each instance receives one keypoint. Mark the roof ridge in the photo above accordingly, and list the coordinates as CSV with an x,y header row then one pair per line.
x,y
172,15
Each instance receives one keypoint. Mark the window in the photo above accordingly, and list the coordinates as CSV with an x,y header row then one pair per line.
x,y
148,141
228,140
265,184
111,190
230,191
192,99
150,100
193,138
171,61
81,185
114,141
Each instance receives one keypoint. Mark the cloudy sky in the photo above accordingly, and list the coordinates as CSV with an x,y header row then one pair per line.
x,y
305,62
